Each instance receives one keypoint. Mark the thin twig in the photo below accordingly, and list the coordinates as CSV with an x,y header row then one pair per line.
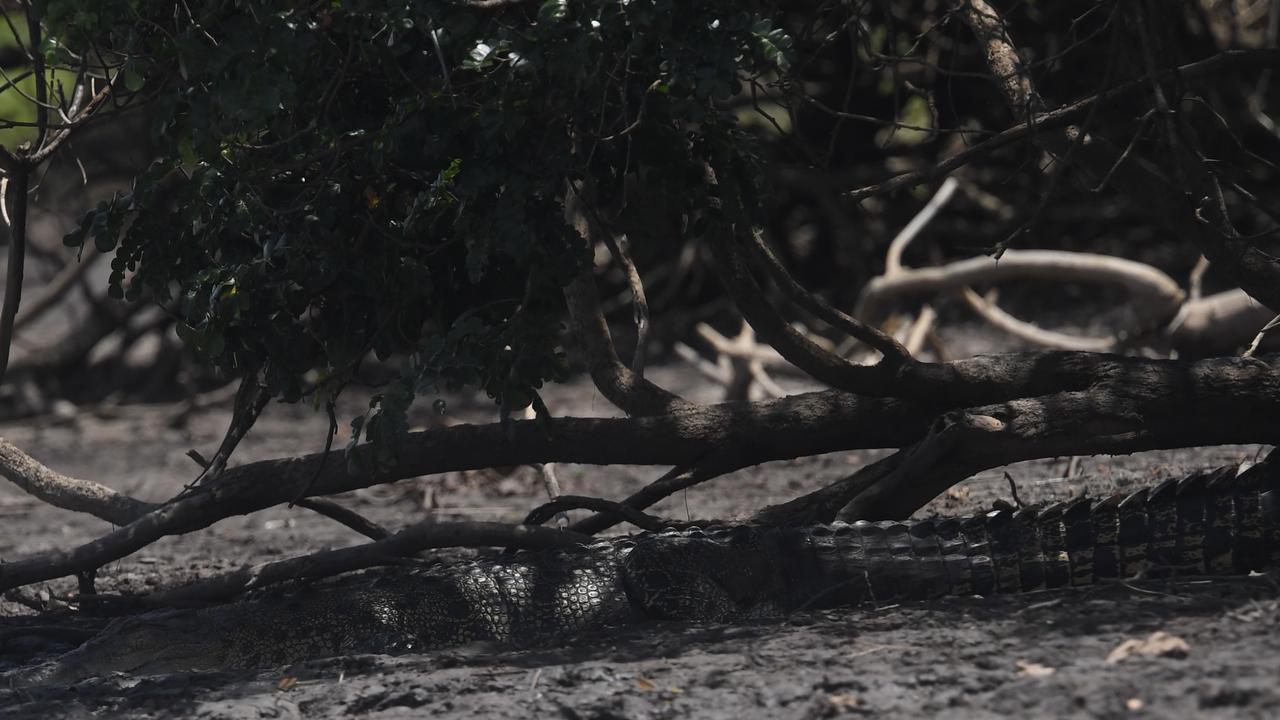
x,y
894,353
622,511
1257,339
1013,490
722,460
893,258
251,398
346,516
1057,118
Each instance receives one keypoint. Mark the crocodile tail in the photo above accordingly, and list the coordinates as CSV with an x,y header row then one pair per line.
x,y
1208,523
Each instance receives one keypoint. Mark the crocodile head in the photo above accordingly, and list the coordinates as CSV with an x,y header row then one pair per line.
x,y
148,644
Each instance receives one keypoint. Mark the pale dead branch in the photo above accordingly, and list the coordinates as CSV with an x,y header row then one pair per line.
x,y
995,315
1155,295
68,493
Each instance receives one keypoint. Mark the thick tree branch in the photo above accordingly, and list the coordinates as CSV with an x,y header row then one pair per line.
x,y
1231,400
1131,411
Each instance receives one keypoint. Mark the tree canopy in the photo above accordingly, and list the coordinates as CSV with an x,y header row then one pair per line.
x,y
390,177
447,186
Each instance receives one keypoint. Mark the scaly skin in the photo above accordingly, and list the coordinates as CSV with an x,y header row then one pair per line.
x,y
1209,523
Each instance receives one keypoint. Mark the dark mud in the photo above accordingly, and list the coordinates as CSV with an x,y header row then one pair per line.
x,y
1037,655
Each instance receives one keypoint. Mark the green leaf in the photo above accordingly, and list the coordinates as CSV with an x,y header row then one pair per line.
x,y
480,56
553,11
774,43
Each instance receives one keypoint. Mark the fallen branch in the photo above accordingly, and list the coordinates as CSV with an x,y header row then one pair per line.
x,y
422,536
1137,411
1229,400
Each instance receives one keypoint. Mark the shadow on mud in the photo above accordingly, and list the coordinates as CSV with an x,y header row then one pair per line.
x,y
372,682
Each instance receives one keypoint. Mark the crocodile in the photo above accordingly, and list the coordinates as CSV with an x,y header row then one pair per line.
x,y
1223,521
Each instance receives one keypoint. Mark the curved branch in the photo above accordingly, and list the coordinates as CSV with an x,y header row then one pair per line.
x,y
623,387
639,304
68,493
799,350
996,315
893,258
622,511
893,351
793,345
1156,296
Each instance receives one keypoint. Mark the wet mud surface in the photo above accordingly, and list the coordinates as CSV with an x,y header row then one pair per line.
x,y
1045,654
